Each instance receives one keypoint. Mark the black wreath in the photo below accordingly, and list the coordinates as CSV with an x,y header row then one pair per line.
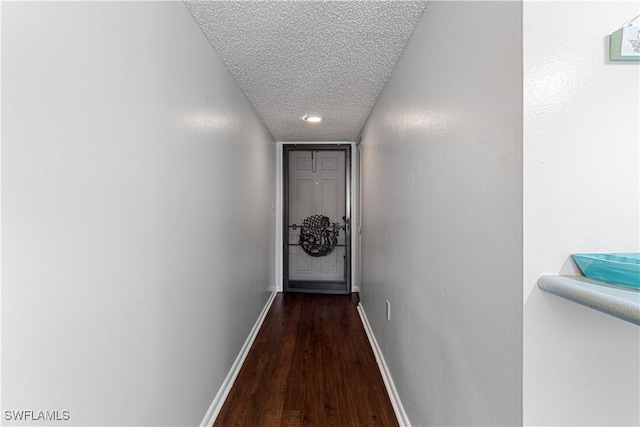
x,y
318,237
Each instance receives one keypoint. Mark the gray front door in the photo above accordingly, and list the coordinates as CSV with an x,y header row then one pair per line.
x,y
317,219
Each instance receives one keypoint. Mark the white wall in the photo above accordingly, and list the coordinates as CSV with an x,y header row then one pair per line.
x,y
137,223
581,194
441,168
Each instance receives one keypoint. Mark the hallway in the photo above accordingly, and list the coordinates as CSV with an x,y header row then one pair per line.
x,y
143,209
311,364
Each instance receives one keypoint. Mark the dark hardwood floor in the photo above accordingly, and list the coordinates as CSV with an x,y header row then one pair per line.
x,y
311,364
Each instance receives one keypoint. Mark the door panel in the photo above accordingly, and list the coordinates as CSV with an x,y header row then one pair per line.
x,y
329,198
304,196
316,180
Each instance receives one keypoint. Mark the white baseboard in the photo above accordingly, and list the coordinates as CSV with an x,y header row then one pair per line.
x,y
401,415
225,388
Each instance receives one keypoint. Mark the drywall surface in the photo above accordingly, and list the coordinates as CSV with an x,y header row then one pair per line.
x,y
581,194
442,217
137,224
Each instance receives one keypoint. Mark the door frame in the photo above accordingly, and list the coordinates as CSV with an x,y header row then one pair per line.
x,y
347,147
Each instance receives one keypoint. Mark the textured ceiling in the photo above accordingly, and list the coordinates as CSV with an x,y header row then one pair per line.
x,y
291,58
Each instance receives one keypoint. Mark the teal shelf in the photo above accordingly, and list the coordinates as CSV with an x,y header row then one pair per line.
x,y
615,269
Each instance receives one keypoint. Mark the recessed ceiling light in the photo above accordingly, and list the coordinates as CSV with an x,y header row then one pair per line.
x,y
311,118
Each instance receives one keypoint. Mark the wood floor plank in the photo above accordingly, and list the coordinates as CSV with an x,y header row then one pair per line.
x,y
311,364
